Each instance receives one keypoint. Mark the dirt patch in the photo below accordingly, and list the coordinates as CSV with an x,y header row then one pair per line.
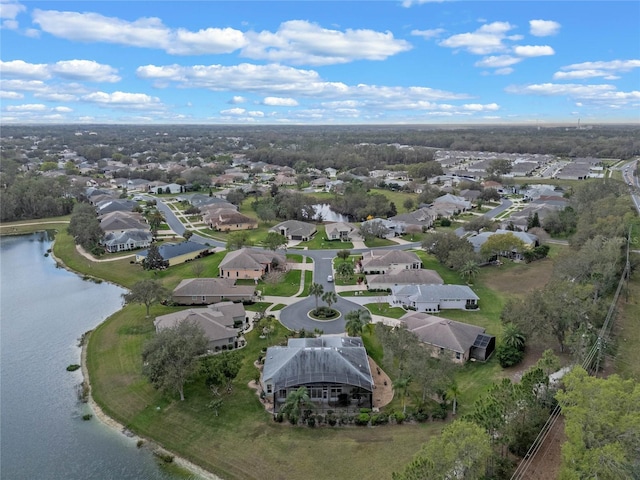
x,y
520,279
382,387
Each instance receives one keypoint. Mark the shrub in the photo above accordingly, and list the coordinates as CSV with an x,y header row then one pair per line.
x,y
73,367
332,421
278,417
399,417
380,419
87,416
164,456
421,416
440,412
508,355
311,421
139,443
362,419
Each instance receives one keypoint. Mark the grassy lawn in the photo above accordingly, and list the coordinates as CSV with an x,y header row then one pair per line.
x,y
31,226
308,280
398,198
320,242
385,310
379,242
220,444
288,287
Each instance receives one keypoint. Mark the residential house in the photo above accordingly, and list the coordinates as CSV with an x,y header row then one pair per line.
x,y
388,261
205,291
331,172
420,276
295,230
433,298
218,323
126,240
160,189
177,253
442,336
452,203
334,369
115,204
421,218
119,221
228,219
385,228
529,240
340,231
250,263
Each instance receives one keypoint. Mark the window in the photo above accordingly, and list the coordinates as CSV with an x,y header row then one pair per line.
x,y
458,355
269,388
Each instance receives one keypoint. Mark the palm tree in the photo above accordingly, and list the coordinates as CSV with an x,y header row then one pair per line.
x,y
356,320
345,269
296,402
316,290
513,337
469,270
329,298
453,392
155,218
401,385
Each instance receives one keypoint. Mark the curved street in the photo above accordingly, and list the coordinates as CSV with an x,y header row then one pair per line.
x,y
295,315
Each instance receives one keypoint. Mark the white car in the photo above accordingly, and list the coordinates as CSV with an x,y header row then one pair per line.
x,y
330,278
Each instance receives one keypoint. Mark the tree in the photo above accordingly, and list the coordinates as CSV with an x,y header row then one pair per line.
x,y
356,321
401,385
345,269
197,268
187,234
170,358
469,270
513,336
155,219
453,392
238,240
84,226
296,402
408,204
462,451
146,292
343,254
274,241
154,260
373,229
602,424
221,369
316,289
329,298
501,244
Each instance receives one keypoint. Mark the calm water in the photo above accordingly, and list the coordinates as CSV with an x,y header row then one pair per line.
x,y
43,312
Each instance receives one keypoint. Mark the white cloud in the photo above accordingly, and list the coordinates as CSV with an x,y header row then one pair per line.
x,y
10,10
62,109
300,42
87,70
543,28
123,99
280,102
410,3
609,70
478,107
533,50
233,111
497,61
56,96
428,34
143,32
602,94
11,95
485,40
10,24
237,99
255,113
22,69
28,107
504,71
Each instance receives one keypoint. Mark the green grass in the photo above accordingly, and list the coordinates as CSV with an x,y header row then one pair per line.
x,y
278,306
398,198
219,444
379,242
320,242
308,280
288,287
31,226
385,310
626,329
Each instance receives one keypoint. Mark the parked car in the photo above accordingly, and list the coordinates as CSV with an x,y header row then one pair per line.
x,y
330,278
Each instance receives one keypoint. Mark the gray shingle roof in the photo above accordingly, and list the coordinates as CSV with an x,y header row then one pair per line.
x,y
250,259
442,332
211,286
217,325
408,277
314,360
434,293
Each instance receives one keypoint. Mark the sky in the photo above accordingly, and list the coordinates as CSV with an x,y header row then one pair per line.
x,y
320,62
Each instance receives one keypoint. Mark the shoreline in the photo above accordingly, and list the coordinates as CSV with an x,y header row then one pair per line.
x,y
111,422
120,428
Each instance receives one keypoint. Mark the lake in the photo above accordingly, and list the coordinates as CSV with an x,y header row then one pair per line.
x,y
43,311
